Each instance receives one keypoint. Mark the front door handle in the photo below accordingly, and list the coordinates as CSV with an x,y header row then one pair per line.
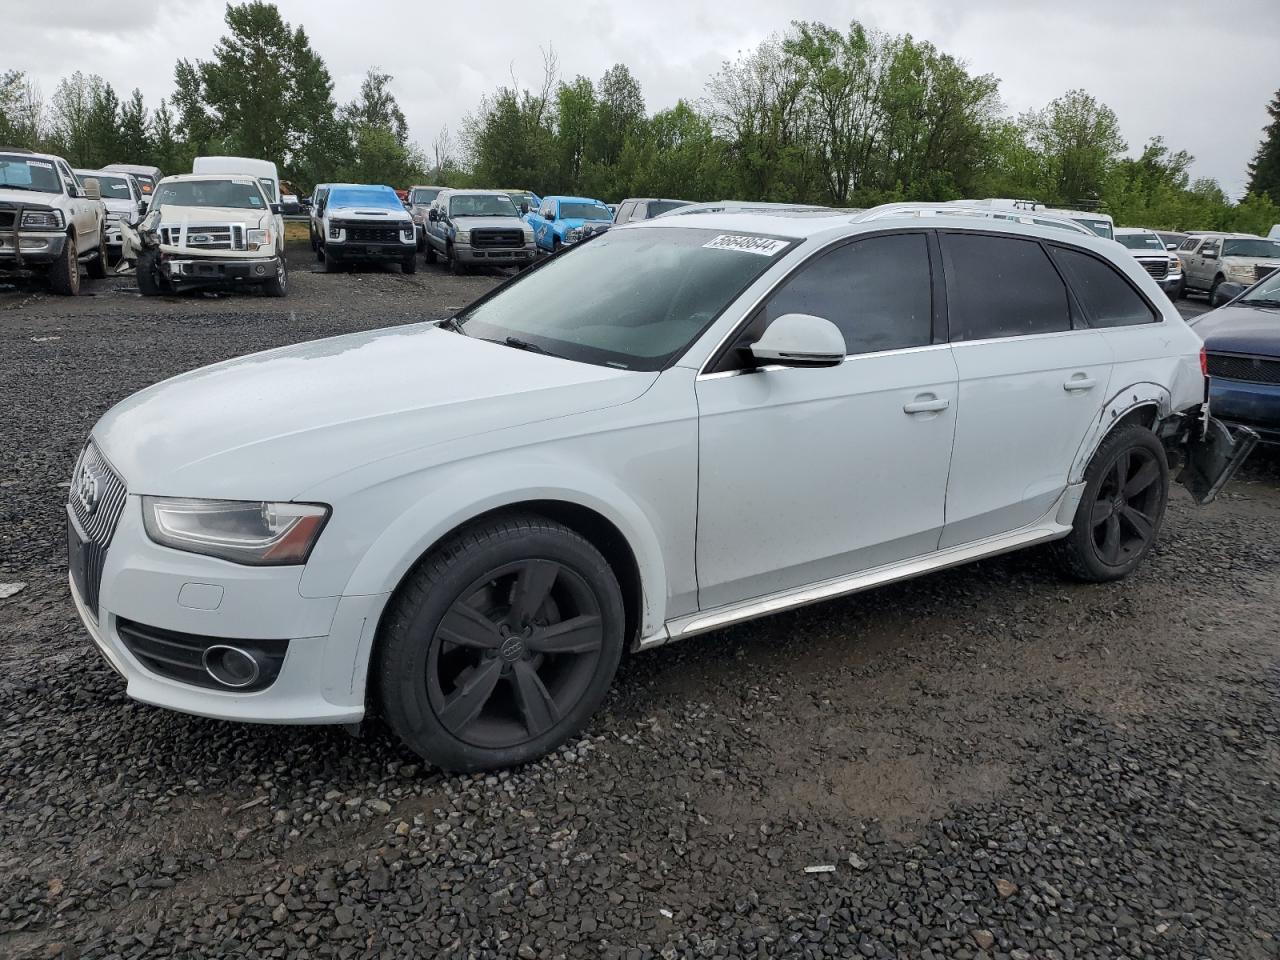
x,y
926,403
1079,382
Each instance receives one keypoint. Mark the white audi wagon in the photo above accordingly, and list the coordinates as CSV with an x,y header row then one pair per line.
x,y
675,426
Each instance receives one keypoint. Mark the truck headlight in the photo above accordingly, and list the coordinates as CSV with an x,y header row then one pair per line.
x,y
1240,270
574,235
258,239
242,531
407,234
336,232
528,235
42,220
462,236
1175,265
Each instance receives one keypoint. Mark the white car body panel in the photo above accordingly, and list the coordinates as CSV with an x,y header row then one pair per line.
x,y
737,494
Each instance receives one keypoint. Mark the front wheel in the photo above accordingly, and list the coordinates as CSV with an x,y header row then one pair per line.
x,y
64,275
429,253
410,263
98,265
500,645
1213,291
147,271
455,265
1180,291
278,285
1126,490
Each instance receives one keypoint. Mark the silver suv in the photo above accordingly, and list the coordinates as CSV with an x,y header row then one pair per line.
x,y
1212,261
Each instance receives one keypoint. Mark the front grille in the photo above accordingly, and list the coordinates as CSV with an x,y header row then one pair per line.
x,y
180,656
1159,269
96,500
6,219
1262,270
1227,366
226,236
497,238
372,232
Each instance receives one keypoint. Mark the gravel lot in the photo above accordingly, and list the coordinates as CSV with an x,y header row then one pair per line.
x,y
991,761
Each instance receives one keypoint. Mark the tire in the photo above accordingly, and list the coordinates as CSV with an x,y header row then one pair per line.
x,y
455,265
1180,291
331,263
278,285
409,264
150,282
319,252
1113,532
64,276
472,696
1213,291
429,253
98,265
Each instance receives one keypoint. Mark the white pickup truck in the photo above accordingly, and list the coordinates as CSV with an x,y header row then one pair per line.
x,y
210,230
49,223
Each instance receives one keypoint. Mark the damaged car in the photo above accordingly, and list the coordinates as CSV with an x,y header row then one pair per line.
x,y
208,230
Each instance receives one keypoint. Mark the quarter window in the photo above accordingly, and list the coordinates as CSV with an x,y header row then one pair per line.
x,y
1106,295
1189,244
1001,287
877,291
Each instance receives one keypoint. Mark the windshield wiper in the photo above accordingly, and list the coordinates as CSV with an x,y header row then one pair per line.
x,y
526,345
451,323
1261,301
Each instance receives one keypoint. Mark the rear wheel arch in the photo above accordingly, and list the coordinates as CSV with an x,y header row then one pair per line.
x,y
1145,404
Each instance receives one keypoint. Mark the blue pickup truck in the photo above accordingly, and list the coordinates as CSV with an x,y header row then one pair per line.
x,y
563,221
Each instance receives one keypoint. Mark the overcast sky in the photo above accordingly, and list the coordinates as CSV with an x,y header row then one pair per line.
x,y
1200,74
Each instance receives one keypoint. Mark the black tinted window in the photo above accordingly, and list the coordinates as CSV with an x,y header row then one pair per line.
x,y
1106,295
877,291
1002,287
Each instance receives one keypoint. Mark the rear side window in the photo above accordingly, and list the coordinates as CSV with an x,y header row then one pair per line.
x,y
1107,296
1189,244
1001,287
877,291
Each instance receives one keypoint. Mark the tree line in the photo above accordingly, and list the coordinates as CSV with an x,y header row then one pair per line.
x,y
815,114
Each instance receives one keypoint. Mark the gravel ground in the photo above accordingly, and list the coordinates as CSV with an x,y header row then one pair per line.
x,y
991,761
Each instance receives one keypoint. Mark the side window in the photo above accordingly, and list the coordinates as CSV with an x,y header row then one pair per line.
x,y
68,178
877,291
1106,295
1001,287
1210,246
624,211
547,209
1189,244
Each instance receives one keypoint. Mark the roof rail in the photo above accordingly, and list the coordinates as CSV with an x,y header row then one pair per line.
x,y
962,208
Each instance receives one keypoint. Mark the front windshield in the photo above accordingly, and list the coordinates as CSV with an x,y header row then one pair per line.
x,y
113,188
147,183
423,196
1140,241
659,207
1101,227
242,194
570,210
482,205
1266,291
28,173
372,198
634,299
1251,248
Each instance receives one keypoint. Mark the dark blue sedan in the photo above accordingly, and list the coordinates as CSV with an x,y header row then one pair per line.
x,y
1242,347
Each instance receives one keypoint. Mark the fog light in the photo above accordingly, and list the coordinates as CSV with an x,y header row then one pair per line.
x,y
230,666
261,270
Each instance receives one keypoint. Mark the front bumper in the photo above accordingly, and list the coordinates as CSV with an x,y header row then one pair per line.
x,y
322,677
469,254
34,250
180,269
1170,283
371,251
1254,405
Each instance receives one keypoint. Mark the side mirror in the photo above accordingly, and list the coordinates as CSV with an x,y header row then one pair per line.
x,y
1171,246
277,208
551,215
92,189
432,215
142,208
800,340
524,209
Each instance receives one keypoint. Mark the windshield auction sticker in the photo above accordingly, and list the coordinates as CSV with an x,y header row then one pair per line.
x,y
764,246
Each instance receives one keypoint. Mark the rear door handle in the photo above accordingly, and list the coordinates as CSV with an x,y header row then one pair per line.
x,y
926,403
1079,382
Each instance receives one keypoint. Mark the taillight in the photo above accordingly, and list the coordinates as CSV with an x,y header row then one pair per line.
x,y
1204,362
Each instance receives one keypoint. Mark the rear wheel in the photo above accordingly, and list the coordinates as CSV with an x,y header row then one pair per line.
x,y
64,275
500,645
1118,519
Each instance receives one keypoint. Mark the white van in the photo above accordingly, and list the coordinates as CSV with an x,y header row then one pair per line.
x,y
264,171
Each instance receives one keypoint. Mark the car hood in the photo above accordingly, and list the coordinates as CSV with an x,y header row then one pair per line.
x,y
28,198
1272,262
120,206
566,224
1240,328
271,425
172,215
489,223
368,213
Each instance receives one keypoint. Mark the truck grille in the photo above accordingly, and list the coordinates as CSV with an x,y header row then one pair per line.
x,y
96,500
1228,366
497,238
1159,269
6,219
1260,270
372,232
226,236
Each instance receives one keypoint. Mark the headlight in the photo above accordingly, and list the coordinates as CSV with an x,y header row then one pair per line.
x,y
528,235
42,220
242,531
1240,270
407,234
462,236
574,235
336,232
1175,264
259,238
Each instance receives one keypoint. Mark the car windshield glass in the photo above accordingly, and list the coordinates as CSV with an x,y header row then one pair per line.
x,y
634,299
24,173
371,198
245,194
1140,241
113,188
423,196
481,205
570,210
1251,248
1268,290
1101,227
657,207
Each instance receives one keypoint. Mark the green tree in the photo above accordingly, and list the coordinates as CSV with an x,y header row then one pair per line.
x,y
1079,141
134,139
575,124
376,106
167,152
1264,169
21,111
